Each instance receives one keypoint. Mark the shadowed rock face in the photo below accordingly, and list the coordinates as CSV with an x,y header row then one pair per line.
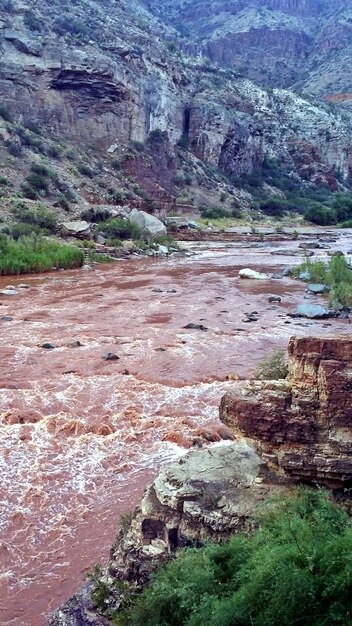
x,y
302,425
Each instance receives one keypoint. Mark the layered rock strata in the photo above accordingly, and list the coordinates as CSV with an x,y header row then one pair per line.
x,y
302,425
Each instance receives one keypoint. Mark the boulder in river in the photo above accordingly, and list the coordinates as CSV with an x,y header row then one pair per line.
x,y
252,274
284,252
194,326
274,299
147,222
111,356
8,292
313,311
305,276
318,288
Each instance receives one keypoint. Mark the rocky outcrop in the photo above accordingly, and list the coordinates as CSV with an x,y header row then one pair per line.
x,y
302,425
207,495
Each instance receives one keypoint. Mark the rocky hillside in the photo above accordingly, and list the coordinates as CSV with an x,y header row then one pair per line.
x,y
101,93
304,44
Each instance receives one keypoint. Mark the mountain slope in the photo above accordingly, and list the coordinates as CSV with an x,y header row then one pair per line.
x,y
284,43
163,125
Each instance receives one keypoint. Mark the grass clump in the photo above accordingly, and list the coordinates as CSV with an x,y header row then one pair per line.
x,y
337,274
32,254
272,367
118,228
294,569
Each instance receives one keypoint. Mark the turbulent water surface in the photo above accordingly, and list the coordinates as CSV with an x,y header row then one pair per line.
x,y
81,436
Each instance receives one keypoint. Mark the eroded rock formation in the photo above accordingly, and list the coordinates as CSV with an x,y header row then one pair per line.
x,y
302,425
208,494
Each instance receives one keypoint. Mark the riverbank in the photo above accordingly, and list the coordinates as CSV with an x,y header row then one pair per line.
x,y
80,435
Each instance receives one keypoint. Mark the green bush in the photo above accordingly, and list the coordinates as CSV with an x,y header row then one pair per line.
x,y
33,21
272,367
38,215
273,206
321,215
20,229
5,113
214,213
118,228
35,254
295,569
86,170
337,274
347,224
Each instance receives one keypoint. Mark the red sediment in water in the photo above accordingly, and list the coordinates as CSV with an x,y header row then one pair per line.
x,y
79,439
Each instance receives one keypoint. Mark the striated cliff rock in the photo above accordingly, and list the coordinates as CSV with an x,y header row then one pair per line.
x,y
301,44
208,494
105,77
302,425
302,431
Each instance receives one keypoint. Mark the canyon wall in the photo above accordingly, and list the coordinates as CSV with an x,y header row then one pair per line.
x,y
303,425
123,83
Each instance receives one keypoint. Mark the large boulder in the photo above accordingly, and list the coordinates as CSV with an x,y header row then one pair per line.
x,y
80,229
252,274
207,495
318,288
313,311
147,222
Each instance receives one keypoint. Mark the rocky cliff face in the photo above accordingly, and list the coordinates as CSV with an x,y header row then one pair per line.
x,y
286,43
105,77
303,425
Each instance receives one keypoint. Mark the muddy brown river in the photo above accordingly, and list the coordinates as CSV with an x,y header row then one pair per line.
x,y
81,436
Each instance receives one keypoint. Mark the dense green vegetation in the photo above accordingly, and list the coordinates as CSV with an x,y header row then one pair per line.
x,y
295,569
273,366
36,254
337,273
317,203
118,228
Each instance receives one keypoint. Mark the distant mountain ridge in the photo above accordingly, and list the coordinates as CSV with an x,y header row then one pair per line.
x,y
300,44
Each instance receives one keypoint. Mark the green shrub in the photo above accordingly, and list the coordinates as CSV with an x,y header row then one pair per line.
x,y
316,269
337,274
38,215
32,21
214,213
68,24
273,206
35,254
20,229
347,224
118,228
272,367
14,148
86,170
295,569
321,215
